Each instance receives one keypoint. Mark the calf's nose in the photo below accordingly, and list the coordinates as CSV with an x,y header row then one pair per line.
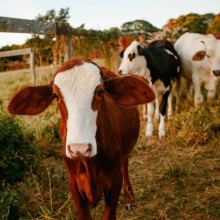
x,y
80,149
120,72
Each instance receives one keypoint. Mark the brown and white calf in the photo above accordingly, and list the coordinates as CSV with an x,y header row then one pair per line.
x,y
99,128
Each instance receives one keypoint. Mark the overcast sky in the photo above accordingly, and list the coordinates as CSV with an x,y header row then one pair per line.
x,y
101,14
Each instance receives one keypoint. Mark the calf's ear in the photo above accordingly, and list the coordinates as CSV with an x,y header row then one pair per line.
x,y
129,90
200,55
141,49
122,53
31,100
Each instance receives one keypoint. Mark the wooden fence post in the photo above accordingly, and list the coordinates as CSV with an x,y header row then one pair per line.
x,y
68,48
32,66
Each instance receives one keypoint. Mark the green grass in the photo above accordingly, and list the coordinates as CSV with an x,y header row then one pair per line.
x,y
176,178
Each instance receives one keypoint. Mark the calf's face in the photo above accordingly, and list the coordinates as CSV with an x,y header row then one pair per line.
x,y
75,93
133,62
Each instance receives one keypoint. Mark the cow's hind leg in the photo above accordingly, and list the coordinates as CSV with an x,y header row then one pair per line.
x,y
144,112
128,191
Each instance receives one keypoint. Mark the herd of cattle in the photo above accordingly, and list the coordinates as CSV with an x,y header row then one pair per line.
x,y
100,120
194,57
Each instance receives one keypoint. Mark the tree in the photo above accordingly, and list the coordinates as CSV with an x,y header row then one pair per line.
x,y
187,23
214,26
49,47
138,26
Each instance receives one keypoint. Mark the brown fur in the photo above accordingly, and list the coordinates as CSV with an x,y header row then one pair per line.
x,y
117,132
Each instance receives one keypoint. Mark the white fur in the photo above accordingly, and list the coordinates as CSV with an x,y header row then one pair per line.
x,y
162,127
149,127
138,66
77,86
199,73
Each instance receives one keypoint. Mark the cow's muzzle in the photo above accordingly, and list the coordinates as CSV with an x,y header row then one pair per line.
x,y
80,150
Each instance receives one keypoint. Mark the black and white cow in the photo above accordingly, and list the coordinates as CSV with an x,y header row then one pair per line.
x,y
160,65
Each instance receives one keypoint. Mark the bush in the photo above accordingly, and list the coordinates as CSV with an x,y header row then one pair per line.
x,y
15,159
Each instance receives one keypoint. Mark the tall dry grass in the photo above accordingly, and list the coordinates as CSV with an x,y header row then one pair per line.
x,y
175,178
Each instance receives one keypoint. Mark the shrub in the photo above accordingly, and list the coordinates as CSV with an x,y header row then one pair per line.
x,y
15,159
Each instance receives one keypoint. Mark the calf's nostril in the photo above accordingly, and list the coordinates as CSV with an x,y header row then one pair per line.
x,y
80,149
89,148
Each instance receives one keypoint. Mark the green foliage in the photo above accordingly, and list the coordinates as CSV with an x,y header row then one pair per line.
x,y
43,44
15,159
13,58
214,26
138,25
188,23
14,152
51,16
96,44
9,202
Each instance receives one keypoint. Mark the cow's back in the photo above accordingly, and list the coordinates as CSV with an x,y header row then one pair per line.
x,y
187,46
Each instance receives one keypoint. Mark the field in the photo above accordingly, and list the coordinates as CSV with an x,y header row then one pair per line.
x,y
176,178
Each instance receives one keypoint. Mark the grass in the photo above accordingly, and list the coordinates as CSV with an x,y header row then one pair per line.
x,y
176,178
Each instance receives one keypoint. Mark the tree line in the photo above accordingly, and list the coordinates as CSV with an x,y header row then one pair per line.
x,y
100,44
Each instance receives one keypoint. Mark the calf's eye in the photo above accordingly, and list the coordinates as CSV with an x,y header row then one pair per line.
x,y
55,96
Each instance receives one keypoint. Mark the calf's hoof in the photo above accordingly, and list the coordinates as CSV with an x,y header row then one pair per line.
x,y
129,206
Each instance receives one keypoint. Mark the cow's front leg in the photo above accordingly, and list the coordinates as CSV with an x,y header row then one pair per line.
x,y
163,107
112,196
170,106
149,127
82,204
128,192
197,87
210,86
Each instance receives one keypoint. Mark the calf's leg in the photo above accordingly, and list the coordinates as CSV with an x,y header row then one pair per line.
x,y
81,203
163,107
149,127
112,196
128,191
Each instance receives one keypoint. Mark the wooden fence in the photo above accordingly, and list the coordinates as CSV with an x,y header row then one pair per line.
x,y
29,51
15,25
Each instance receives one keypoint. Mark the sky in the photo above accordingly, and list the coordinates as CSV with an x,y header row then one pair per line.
x,y
101,14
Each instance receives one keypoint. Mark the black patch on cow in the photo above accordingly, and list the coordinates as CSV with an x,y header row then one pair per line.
x,y
162,65
131,56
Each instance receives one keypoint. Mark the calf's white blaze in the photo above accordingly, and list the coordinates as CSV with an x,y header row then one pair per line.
x,y
77,86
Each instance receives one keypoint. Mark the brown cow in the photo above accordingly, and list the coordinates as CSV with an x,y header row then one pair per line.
x,y
99,128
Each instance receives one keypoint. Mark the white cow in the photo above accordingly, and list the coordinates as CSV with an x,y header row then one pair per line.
x,y
200,63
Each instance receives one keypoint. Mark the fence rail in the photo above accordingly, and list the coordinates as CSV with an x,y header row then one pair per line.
x,y
29,51
16,25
